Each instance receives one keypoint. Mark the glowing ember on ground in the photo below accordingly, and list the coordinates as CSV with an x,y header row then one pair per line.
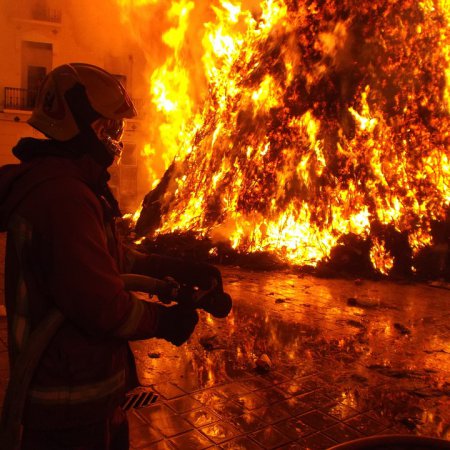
x,y
321,119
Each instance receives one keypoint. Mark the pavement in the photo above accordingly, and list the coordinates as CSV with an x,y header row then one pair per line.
x,y
343,359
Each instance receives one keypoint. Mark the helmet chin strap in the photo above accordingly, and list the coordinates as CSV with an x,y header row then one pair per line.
x,y
109,132
84,116
114,147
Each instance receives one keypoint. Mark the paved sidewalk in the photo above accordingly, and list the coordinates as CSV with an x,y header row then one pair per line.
x,y
348,359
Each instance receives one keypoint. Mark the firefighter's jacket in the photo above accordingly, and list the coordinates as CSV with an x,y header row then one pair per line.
x,y
60,252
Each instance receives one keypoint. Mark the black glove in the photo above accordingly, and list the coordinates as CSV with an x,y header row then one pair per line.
x,y
170,291
176,323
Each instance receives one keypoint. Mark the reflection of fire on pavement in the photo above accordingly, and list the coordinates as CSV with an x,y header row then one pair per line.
x,y
337,346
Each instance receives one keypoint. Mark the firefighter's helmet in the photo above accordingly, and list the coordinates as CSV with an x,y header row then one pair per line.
x,y
54,113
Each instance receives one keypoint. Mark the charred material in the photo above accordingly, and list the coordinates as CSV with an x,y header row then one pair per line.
x,y
150,218
349,259
329,150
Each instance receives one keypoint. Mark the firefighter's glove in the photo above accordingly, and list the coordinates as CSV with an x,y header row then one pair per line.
x,y
176,323
170,291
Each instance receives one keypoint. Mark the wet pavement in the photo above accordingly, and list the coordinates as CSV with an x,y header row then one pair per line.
x,y
349,358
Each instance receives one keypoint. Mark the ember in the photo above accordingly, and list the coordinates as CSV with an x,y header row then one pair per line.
x,y
325,133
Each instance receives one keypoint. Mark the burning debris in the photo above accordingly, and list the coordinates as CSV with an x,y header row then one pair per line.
x,y
324,140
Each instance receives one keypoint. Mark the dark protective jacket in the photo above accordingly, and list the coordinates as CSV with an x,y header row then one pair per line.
x,y
61,252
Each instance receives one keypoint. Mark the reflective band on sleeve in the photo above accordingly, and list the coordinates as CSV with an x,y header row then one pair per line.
x,y
21,232
135,316
20,331
78,394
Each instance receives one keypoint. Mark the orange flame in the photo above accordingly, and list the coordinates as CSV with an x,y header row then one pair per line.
x,y
320,120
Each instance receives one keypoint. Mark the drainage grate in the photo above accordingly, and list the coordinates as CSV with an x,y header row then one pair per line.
x,y
140,399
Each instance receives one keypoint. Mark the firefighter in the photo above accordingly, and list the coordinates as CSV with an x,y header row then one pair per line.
x,y
63,267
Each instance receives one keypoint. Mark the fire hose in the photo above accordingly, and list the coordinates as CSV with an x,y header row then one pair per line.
x,y
212,300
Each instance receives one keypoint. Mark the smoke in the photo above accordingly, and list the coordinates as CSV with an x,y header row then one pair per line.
x,y
98,25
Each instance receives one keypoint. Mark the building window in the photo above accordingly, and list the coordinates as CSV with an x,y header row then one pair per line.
x,y
37,60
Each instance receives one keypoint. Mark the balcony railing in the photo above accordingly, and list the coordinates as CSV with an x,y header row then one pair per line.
x,y
20,99
39,10
46,14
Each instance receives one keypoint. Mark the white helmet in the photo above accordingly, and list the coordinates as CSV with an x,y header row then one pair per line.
x,y
107,98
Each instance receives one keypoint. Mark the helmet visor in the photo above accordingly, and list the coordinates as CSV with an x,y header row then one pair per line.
x,y
110,132
114,129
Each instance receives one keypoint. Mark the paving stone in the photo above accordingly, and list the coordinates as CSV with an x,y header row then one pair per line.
x,y
200,417
317,420
171,426
184,404
378,417
231,390
365,424
134,420
169,390
209,396
272,414
256,383
250,401
237,373
339,411
247,423
316,398
192,440
152,413
295,406
270,437
220,432
189,383
316,441
294,428
300,386
229,409
342,433
293,446
271,395
241,443
143,436
275,377
161,445
299,370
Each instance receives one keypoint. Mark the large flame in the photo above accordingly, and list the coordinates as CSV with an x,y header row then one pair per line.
x,y
321,118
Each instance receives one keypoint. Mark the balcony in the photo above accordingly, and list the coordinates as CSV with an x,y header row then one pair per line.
x,y
43,11
19,99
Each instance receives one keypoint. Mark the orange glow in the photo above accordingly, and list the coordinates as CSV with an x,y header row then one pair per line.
x,y
296,134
